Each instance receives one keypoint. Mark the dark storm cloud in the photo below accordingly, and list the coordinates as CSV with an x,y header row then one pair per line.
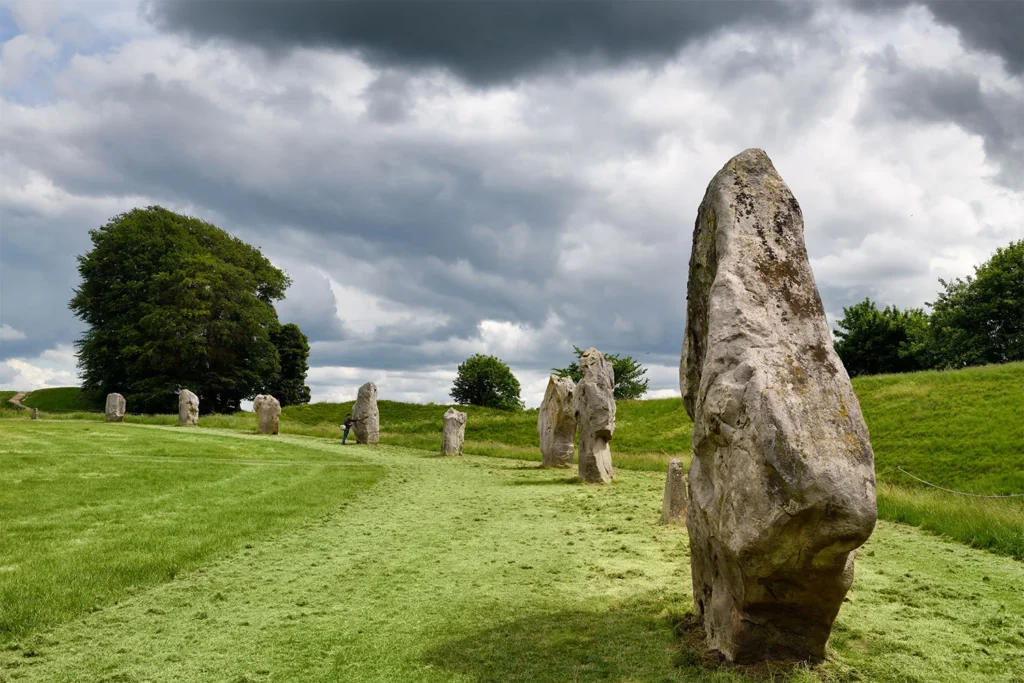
x,y
995,26
904,93
482,42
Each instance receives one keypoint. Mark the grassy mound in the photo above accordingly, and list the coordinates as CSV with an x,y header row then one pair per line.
x,y
59,400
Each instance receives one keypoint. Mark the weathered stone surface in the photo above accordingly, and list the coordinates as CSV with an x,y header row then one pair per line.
x,y
268,409
114,410
188,408
594,408
781,487
673,507
556,423
454,433
35,413
367,426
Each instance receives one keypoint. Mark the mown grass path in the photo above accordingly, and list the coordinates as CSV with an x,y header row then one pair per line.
x,y
490,570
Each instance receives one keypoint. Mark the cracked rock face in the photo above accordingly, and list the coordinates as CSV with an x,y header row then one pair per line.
x,y
454,433
781,487
268,409
188,409
367,426
115,408
594,407
556,423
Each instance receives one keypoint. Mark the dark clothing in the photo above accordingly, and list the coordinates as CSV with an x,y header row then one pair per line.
x,y
348,422
348,425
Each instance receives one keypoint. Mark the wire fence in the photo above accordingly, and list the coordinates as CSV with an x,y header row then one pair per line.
x,y
900,469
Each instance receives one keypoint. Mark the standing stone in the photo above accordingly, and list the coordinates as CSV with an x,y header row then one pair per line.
x,y
594,408
454,432
114,410
367,427
673,508
556,423
35,413
268,409
781,487
188,409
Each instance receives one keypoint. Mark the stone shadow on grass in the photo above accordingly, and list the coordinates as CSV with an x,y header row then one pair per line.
x,y
545,482
654,638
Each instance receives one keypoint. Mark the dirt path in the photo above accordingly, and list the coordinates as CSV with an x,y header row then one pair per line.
x,y
16,400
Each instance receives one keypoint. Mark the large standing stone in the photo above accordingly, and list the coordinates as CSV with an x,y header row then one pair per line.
x,y
673,507
268,409
35,413
454,433
188,408
115,408
594,407
781,487
556,423
367,426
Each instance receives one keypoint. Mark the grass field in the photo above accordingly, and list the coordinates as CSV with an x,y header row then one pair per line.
x,y
959,429
59,400
446,569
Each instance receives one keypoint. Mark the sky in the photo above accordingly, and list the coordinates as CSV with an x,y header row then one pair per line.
x,y
447,178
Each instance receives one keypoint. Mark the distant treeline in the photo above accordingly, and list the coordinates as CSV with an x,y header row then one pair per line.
x,y
975,321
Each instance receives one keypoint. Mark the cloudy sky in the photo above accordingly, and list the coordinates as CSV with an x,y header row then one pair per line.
x,y
446,178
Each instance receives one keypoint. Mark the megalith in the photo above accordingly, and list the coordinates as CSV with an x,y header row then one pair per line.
x,y
188,408
35,413
268,409
114,410
673,507
781,486
556,423
367,426
454,433
594,408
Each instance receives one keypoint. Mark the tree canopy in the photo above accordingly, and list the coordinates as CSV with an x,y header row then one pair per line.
x,y
486,381
172,301
289,385
630,382
871,341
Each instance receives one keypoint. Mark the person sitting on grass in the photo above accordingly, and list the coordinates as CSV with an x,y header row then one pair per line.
x,y
347,426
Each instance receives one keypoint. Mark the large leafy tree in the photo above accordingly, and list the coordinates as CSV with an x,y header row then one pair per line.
x,y
629,374
871,341
289,385
486,381
981,319
172,301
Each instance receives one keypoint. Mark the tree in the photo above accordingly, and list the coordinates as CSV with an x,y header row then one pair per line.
x,y
871,341
172,301
629,380
486,381
981,319
289,385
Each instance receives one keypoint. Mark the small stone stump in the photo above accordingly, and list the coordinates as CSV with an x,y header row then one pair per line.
x,y
367,426
594,407
115,408
454,433
782,483
556,423
673,508
188,409
268,409
35,413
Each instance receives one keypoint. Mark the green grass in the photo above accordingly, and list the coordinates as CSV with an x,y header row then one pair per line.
x,y
959,429
89,510
459,570
59,400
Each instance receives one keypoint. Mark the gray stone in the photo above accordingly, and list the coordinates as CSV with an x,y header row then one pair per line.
x,y
556,423
454,433
35,413
188,409
115,408
594,408
673,507
367,426
781,487
268,409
